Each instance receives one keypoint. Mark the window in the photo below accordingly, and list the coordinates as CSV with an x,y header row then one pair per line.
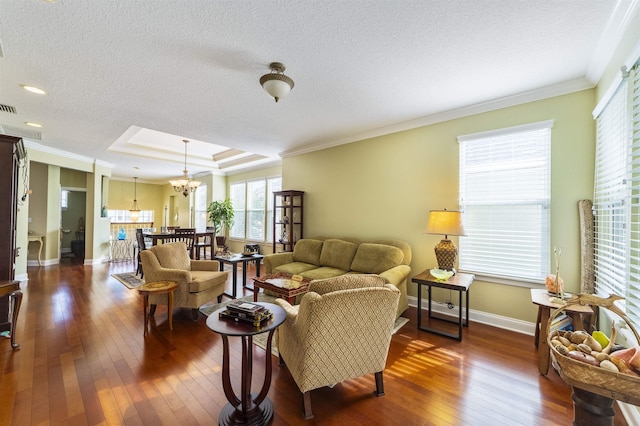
x,y
505,197
200,208
123,216
609,198
64,199
253,208
616,201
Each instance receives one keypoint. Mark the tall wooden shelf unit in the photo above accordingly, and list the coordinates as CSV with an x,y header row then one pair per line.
x,y
288,208
11,154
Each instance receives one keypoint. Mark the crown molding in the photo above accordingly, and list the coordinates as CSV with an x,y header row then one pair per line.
x,y
559,89
609,41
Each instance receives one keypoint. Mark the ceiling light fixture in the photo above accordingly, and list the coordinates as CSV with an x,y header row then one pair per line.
x,y
32,124
134,211
33,89
185,185
276,84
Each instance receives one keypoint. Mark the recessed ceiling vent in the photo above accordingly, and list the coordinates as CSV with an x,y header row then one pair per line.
x,y
8,108
20,133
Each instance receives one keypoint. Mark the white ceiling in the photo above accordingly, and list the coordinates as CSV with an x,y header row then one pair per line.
x,y
120,73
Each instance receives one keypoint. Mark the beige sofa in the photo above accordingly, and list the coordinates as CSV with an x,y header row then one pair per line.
x,y
323,257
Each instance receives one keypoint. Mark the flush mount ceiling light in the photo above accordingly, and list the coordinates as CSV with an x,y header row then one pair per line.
x,y
33,89
276,84
185,185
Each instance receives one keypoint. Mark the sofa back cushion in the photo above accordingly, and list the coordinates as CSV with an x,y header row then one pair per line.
x,y
307,251
337,253
376,258
173,255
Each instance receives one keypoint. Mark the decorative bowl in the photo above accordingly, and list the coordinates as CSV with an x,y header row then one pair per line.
x,y
441,274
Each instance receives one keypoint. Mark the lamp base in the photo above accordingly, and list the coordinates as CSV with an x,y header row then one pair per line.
x,y
446,255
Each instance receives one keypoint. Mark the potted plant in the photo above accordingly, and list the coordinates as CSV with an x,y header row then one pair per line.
x,y
220,214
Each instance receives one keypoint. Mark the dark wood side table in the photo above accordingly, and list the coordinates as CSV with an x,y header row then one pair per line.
x,y
159,287
460,283
247,408
12,290
233,261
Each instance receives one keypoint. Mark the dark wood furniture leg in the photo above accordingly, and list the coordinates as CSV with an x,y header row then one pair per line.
x,y
590,409
16,298
248,408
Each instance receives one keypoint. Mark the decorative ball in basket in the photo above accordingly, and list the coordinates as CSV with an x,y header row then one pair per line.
x,y
593,361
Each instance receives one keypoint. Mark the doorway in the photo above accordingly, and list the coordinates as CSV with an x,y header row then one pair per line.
x,y
72,223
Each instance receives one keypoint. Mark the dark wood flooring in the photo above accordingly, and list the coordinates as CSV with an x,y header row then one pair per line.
x,y
83,361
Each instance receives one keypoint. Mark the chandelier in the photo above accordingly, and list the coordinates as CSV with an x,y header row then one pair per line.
x,y
134,211
185,185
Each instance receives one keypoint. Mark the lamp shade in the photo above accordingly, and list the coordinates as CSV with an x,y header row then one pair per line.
x,y
445,222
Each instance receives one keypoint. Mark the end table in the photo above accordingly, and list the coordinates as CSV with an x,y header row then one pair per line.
x,y
159,287
460,283
247,408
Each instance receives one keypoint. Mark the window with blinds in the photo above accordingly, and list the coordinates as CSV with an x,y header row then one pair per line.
x,y
633,291
505,199
610,196
253,208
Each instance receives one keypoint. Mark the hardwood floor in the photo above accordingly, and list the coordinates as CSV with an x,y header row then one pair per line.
x,y
83,361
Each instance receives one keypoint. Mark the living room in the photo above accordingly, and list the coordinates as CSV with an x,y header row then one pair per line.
x,y
384,186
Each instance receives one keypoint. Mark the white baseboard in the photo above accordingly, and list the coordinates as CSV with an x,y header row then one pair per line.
x,y
494,320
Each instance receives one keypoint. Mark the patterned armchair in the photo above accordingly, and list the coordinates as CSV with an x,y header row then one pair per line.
x,y
341,330
199,281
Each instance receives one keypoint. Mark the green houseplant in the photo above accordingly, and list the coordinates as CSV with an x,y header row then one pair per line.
x,y
220,214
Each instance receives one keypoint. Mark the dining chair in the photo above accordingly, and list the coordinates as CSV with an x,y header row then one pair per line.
x,y
183,235
204,240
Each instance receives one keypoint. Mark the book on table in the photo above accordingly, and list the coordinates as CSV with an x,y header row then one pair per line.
x,y
241,311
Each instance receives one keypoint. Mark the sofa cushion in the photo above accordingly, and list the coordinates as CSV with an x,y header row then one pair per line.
x,y
337,254
323,272
173,255
376,258
307,251
294,268
204,280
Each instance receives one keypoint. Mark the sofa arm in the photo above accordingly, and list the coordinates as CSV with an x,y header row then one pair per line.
x,y
396,275
272,261
205,265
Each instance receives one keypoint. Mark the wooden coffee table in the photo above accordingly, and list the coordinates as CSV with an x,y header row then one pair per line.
x,y
282,285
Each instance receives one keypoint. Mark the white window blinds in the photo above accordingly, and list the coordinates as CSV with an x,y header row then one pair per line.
x,y
610,196
505,196
633,293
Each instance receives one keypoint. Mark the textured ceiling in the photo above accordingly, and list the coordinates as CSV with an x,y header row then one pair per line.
x,y
190,68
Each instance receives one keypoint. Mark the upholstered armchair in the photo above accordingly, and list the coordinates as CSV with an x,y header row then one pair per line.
x,y
341,330
199,281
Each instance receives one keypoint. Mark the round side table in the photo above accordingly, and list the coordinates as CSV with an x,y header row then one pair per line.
x,y
158,287
248,408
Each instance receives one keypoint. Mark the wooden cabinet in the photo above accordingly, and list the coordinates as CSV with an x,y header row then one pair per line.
x,y
288,209
11,154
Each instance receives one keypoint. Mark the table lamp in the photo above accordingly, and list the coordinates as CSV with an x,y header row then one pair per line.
x,y
445,222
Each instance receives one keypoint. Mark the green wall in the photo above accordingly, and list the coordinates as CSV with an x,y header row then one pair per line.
x,y
384,187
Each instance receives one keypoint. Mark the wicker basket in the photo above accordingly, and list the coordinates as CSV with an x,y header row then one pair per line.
x,y
619,386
